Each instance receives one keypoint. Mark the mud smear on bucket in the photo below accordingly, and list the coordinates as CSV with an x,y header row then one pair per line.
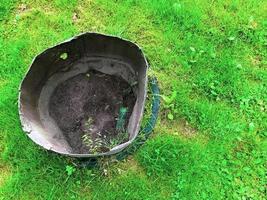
x,y
86,108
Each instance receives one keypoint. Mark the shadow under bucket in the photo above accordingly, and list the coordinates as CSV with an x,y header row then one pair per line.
x,y
85,97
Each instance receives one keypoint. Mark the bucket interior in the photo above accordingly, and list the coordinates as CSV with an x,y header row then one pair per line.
x,y
84,105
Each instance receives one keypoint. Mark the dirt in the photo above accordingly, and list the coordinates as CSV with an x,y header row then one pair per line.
x,y
86,108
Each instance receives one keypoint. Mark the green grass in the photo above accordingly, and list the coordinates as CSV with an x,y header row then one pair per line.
x,y
210,56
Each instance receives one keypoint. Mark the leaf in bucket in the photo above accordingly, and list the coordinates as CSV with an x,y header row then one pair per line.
x,y
64,56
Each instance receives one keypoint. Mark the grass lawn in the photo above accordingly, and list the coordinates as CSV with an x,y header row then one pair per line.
x,y
210,60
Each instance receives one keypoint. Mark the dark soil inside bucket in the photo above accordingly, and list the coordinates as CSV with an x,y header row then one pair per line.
x,y
87,108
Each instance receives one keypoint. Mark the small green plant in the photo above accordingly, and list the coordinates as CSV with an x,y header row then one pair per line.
x,y
70,170
64,56
93,144
87,140
169,104
89,123
96,143
119,139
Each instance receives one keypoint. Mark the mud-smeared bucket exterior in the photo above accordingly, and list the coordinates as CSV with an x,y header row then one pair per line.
x,y
56,99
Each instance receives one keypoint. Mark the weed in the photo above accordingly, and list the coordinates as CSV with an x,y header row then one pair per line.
x,y
169,104
98,143
70,170
119,139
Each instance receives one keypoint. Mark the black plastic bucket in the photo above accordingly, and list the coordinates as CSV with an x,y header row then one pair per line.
x,y
81,95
